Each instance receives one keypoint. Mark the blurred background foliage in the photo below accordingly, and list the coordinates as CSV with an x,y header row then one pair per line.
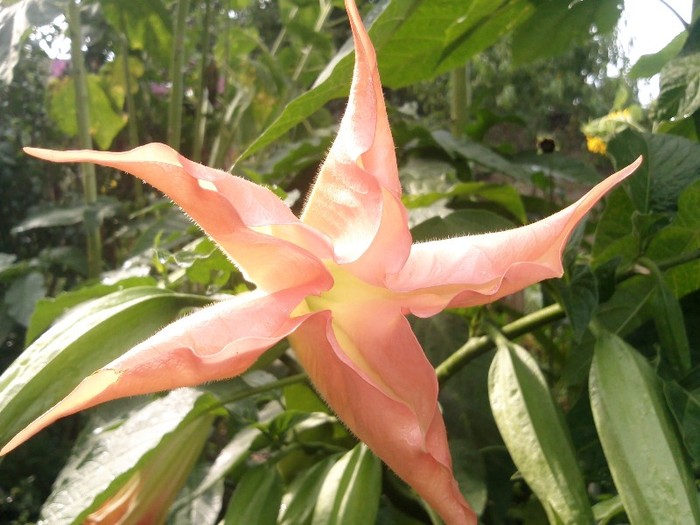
x,y
502,112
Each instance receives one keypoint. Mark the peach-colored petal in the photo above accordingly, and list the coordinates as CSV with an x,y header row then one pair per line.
x,y
478,269
239,215
217,342
385,392
356,198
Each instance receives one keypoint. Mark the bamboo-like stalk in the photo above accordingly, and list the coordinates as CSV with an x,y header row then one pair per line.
x,y
326,6
458,100
87,171
200,120
177,62
132,128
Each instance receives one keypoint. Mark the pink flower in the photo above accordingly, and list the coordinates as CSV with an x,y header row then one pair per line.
x,y
338,282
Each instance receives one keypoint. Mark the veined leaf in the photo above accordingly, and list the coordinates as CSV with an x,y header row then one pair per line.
x,y
300,499
449,33
134,462
536,435
257,497
90,336
640,443
351,490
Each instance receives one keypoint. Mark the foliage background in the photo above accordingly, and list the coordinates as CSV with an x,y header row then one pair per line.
x,y
493,124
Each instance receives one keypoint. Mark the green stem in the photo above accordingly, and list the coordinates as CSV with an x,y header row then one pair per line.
x,y
87,171
477,346
274,385
177,62
326,7
202,96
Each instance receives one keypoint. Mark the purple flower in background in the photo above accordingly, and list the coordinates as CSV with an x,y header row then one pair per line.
x,y
58,67
159,89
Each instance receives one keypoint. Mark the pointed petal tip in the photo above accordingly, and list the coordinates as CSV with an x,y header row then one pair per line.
x,y
87,394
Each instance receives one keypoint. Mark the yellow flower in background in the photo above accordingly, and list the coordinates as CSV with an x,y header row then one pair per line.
x,y
596,145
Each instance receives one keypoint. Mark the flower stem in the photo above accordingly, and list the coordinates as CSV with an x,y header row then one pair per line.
x,y
477,346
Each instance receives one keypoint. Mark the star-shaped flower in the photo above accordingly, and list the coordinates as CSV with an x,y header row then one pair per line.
x,y
337,281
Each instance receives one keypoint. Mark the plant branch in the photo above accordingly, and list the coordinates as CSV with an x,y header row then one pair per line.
x,y
477,346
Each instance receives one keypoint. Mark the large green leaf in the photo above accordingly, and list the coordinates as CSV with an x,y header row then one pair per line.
x,y
649,65
257,497
646,460
679,95
557,24
434,37
351,490
536,435
301,496
671,164
106,120
16,20
88,337
151,447
147,25
49,309
682,236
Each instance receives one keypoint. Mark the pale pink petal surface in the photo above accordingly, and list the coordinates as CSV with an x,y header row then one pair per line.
x,y
232,211
338,282
356,198
479,269
403,427
216,342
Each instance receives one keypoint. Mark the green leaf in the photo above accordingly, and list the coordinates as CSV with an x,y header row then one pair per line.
x,y
645,457
158,442
232,455
536,435
671,164
22,295
607,510
200,509
48,309
682,236
558,24
449,32
66,216
16,20
578,293
257,497
56,362
668,319
147,25
685,407
478,153
649,65
614,234
679,88
461,222
106,121
350,492
301,497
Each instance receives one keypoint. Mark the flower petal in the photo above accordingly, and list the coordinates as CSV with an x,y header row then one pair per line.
x,y
217,342
378,381
240,216
478,269
356,198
